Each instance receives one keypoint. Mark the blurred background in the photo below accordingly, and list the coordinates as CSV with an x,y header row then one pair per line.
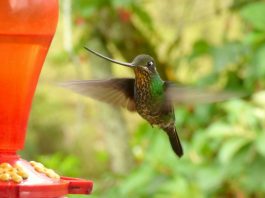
x,y
215,43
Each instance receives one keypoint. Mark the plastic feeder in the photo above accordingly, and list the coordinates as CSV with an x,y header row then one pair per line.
x,y
26,31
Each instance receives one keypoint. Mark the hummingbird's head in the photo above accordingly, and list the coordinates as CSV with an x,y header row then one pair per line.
x,y
145,63
141,63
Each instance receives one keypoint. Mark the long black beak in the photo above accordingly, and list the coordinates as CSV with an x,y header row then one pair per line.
x,y
109,59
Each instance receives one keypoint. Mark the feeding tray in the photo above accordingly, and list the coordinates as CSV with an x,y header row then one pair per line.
x,y
22,179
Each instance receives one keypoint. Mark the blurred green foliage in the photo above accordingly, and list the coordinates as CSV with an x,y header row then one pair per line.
x,y
207,44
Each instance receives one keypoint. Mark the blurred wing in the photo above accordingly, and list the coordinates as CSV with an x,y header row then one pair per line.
x,y
117,91
184,95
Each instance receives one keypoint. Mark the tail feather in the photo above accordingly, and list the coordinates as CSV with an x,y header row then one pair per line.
x,y
174,140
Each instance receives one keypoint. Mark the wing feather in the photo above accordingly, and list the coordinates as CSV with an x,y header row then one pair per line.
x,y
187,95
116,91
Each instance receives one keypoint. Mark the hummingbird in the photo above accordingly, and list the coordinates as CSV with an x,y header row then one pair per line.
x,y
147,94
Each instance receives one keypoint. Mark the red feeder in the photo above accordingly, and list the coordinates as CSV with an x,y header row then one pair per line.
x,y
26,31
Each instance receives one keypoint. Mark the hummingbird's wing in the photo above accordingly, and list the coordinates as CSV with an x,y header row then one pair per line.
x,y
116,91
185,95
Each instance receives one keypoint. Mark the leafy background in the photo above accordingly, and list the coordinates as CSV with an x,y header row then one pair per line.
x,y
214,43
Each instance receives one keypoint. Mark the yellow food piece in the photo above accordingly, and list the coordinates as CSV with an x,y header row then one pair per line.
x,y
5,177
37,166
5,165
12,173
23,174
41,169
2,171
18,167
32,163
12,170
51,173
56,176
16,178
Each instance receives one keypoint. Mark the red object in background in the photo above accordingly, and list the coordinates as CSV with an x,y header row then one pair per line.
x,y
26,31
124,14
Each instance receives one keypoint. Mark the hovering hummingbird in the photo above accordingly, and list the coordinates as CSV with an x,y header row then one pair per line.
x,y
147,94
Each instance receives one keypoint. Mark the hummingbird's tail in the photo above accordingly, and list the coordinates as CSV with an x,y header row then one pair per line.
x,y
174,140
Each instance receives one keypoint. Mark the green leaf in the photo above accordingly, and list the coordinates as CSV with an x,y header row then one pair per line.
x,y
259,98
254,38
229,53
143,16
259,61
181,115
220,130
209,177
87,8
255,15
230,148
236,107
200,47
251,179
260,142
137,181
180,187
121,3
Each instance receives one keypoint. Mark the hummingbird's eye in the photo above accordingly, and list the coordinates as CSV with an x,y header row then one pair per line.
x,y
150,63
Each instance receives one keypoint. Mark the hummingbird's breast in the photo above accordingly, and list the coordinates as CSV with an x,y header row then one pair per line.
x,y
142,92
149,98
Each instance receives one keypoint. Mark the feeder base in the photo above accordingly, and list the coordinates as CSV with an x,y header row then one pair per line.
x,y
22,179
